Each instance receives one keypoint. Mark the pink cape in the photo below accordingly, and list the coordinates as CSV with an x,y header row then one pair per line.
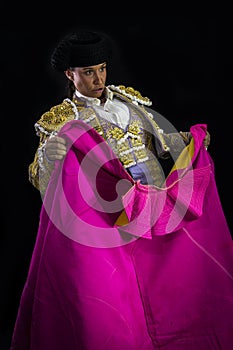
x,y
122,266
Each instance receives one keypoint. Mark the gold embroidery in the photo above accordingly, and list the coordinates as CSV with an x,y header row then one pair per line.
x,y
137,142
128,145
56,117
127,160
115,133
134,128
131,93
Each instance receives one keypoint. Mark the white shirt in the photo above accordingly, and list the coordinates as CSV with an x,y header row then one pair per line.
x,y
112,110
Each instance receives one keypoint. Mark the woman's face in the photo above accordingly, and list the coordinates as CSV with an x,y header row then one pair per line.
x,y
89,81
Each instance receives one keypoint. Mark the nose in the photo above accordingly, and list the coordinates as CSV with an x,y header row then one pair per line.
x,y
98,77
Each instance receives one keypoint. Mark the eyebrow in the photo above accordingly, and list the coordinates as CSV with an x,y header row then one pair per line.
x,y
92,67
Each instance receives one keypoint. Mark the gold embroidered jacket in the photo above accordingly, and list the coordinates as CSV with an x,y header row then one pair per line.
x,y
131,145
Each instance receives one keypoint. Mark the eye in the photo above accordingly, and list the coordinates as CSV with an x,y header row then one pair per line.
x,y
102,69
88,72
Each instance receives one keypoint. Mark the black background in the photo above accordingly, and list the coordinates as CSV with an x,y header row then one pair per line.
x,y
182,62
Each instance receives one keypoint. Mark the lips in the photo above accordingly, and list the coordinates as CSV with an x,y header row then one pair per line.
x,y
99,90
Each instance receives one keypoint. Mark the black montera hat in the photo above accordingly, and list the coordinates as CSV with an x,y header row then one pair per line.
x,y
81,49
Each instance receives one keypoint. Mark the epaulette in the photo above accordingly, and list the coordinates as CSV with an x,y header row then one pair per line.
x,y
55,118
129,92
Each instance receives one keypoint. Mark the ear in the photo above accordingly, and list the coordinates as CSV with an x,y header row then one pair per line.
x,y
69,74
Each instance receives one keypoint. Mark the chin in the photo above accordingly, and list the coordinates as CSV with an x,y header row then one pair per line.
x,y
98,94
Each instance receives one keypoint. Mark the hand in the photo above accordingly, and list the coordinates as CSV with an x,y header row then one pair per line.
x,y
207,140
55,148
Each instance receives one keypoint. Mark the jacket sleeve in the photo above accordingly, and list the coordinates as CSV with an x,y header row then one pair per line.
x,y
183,138
47,126
41,168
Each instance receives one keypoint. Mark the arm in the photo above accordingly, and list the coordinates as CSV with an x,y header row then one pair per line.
x,y
187,137
41,168
50,146
177,141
